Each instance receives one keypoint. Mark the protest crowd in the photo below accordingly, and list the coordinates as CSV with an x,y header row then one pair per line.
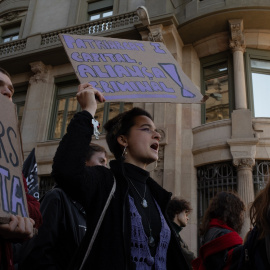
x,y
116,216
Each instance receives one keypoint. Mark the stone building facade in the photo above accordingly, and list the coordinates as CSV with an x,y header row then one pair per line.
x,y
222,45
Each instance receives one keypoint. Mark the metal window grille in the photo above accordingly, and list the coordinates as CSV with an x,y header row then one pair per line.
x,y
261,174
212,179
219,177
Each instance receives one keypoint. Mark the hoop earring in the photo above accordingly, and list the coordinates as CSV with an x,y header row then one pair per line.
x,y
124,153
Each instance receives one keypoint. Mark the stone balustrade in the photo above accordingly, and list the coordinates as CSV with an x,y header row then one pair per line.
x,y
52,38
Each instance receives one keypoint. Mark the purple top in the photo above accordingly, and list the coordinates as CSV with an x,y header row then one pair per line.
x,y
140,253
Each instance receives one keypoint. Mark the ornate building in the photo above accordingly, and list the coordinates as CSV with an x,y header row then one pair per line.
x,y
222,45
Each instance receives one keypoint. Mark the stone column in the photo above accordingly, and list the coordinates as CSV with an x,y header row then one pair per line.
x,y
35,121
243,149
237,45
245,187
243,141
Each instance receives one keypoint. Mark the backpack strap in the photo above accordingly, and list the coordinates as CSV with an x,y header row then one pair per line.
x,y
99,224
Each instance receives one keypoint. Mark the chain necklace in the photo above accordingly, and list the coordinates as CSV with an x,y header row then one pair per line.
x,y
144,201
151,239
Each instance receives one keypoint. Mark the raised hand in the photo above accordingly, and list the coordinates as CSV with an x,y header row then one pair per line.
x,y
87,97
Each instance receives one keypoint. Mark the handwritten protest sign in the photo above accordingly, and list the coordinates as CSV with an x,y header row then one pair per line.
x,y
12,195
129,70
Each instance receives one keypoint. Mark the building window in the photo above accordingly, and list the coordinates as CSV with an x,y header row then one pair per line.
x,y
260,72
107,111
10,33
212,179
66,106
258,79
100,15
219,177
18,99
217,85
100,9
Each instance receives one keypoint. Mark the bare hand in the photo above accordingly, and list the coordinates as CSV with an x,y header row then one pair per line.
x,y
87,97
18,228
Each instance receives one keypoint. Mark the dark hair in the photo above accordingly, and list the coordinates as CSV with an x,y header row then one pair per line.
x,y
4,72
176,206
227,207
93,148
260,211
120,125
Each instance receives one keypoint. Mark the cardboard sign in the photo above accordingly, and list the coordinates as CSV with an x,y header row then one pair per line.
x,y
129,70
12,195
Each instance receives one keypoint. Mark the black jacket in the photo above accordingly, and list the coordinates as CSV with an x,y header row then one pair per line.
x,y
256,252
189,255
64,225
91,187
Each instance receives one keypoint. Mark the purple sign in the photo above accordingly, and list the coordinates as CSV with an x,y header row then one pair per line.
x,y
125,70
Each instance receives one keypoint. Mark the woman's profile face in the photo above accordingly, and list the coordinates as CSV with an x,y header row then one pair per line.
x,y
142,142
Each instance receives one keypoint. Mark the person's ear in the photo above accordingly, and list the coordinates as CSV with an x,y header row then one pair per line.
x,y
122,140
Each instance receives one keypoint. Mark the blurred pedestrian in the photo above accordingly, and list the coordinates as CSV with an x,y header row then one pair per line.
x,y
178,211
221,225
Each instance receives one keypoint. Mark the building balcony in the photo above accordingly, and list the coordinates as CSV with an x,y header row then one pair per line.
x,y
47,47
201,19
210,141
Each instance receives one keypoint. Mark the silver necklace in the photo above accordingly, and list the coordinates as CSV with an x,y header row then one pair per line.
x,y
144,201
151,239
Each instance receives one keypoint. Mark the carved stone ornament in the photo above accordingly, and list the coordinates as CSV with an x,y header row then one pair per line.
x,y
237,41
244,163
155,34
40,72
11,15
162,134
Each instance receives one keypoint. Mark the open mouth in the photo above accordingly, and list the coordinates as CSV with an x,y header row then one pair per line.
x,y
154,146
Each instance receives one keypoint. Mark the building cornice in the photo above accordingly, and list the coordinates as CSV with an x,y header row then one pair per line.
x,y
212,125
209,147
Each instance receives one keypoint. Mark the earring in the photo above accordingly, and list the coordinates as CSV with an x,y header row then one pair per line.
x,y
124,153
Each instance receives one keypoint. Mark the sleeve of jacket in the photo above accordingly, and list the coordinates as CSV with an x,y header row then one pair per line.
x,y
40,252
189,255
69,159
69,170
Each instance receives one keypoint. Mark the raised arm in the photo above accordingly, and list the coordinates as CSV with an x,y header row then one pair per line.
x,y
69,161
